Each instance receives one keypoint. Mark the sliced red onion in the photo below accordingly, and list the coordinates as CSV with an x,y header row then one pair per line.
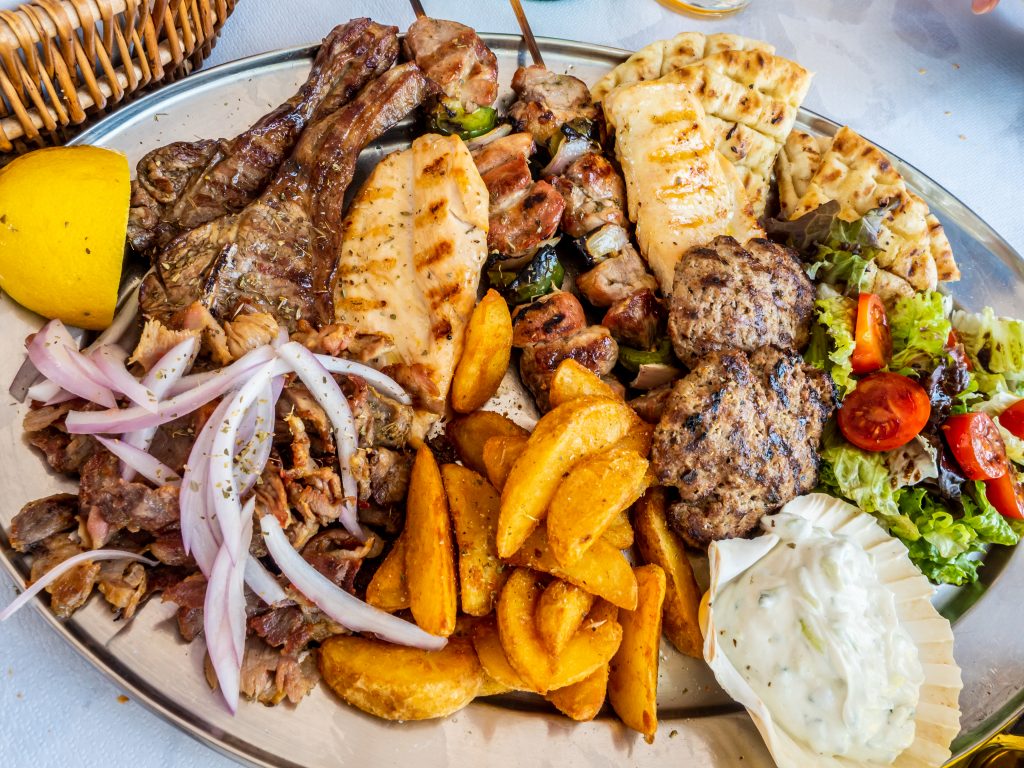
x,y
61,568
47,392
53,352
193,500
236,590
492,135
379,381
121,323
109,359
568,152
253,457
328,394
345,609
217,629
146,465
131,419
262,582
161,377
226,501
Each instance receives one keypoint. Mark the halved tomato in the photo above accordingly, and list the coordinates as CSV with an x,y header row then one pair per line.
x,y
885,411
873,342
1006,495
1012,419
976,444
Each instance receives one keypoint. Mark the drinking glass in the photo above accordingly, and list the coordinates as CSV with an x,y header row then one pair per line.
x,y
706,7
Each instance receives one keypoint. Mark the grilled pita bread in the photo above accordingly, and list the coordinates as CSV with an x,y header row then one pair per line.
x,y
796,164
681,192
859,176
664,56
750,100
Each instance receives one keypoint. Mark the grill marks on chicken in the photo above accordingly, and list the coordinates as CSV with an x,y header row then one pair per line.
x,y
278,254
739,438
414,243
523,213
185,184
727,296
456,59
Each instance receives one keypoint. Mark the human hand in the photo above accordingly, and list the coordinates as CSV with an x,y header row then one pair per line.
x,y
983,6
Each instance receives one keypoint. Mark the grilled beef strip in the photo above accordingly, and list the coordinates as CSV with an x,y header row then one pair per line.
x,y
739,437
456,59
185,184
278,254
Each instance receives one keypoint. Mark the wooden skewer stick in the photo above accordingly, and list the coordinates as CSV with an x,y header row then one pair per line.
x,y
524,25
417,8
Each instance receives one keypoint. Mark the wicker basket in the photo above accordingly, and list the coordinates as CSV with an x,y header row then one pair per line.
x,y
66,62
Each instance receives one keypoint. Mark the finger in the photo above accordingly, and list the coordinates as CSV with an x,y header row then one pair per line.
x,y
983,6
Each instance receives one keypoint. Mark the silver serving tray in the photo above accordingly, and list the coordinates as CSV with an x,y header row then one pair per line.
x,y
699,724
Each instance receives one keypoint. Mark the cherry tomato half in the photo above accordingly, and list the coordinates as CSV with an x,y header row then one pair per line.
x,y
1006,495
885,411
1012,419
873,346
976,444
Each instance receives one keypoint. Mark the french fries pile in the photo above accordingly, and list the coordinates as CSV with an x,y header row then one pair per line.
x,y
516,556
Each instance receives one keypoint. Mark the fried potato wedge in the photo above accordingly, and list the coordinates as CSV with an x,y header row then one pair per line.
x,y
493,659
469,434
399,683
492,687
388,589
583,700
562,437
619,532
639,438
518,631
594,492
500,454
560,612
429,558
572,380
603,571
658,545
474,504
485,354
594,644
633,680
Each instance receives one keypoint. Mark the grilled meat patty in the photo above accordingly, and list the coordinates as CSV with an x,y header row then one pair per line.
x,y
456,59
739,437
278,254
725,296
188,183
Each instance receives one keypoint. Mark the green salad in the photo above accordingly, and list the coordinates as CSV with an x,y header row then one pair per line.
x,y
929,436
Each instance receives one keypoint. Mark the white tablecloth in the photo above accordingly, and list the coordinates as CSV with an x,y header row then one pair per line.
x,y
924,78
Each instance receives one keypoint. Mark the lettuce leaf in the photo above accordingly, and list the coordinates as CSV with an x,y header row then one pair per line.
x,y
943,539
996,347
836,315
920,326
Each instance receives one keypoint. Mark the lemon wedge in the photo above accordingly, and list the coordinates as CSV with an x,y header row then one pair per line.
x,y
63,219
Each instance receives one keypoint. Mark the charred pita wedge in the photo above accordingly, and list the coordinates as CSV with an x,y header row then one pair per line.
x,y
750,99
795,166
860,177
664,56
681,191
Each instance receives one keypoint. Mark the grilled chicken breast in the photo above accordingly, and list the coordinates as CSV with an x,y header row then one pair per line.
x,y
681,193
413,244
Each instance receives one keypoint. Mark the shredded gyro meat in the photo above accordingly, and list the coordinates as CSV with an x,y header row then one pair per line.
x,y
40,519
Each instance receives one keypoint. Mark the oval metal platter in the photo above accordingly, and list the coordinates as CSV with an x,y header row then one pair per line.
x,y
699,724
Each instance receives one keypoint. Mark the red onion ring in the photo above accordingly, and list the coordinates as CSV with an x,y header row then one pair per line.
x,y
109,359
53,353
146,465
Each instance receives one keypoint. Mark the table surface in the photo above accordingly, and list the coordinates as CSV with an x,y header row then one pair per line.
x,y
926,79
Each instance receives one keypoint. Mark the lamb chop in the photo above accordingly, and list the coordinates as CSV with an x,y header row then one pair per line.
x,y
186,184
278,254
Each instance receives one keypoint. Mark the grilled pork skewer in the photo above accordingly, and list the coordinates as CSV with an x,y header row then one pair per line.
x,y
186,184
278,254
